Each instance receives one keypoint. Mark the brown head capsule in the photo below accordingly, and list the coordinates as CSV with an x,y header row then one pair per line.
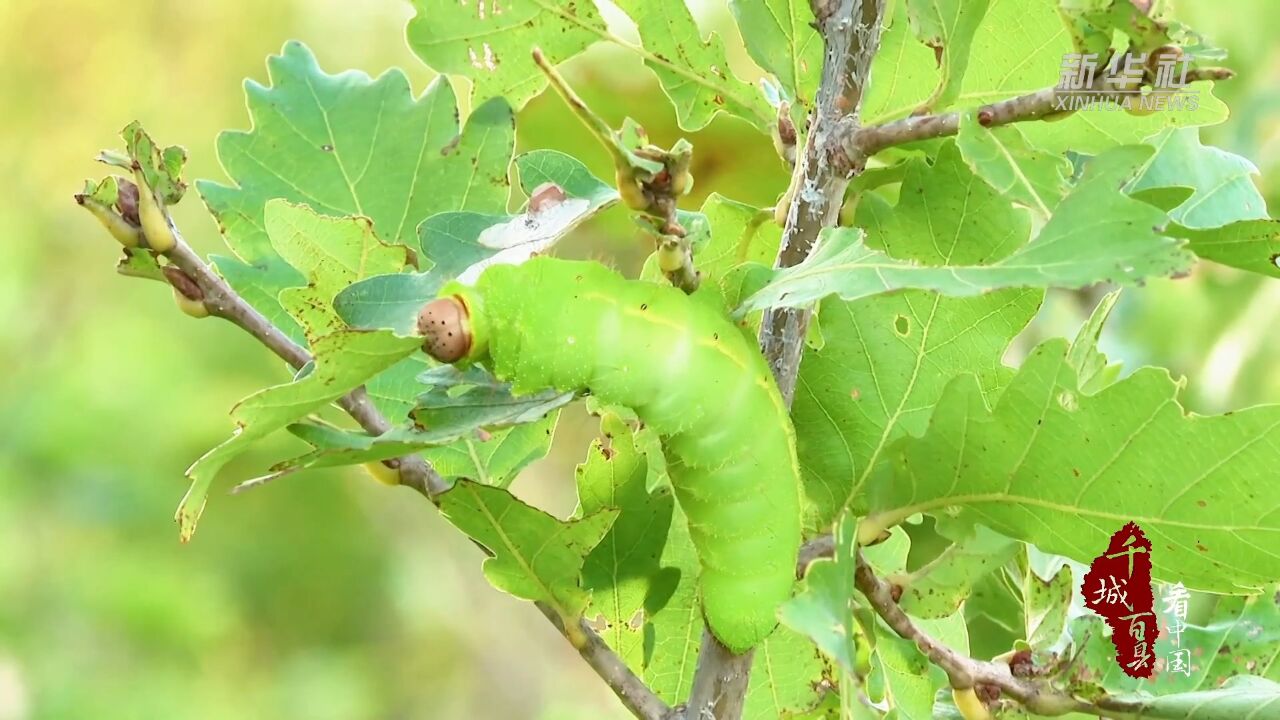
x,y
443,324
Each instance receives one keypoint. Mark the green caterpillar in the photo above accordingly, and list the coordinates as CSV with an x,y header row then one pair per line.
x,y
688,373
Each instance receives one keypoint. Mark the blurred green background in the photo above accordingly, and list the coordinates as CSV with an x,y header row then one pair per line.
x,y
328,596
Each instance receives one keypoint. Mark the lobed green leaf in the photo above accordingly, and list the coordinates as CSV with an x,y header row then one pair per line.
x,y
534,556
1063,470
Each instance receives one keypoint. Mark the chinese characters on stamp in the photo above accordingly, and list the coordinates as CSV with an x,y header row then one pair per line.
x,y
1118,587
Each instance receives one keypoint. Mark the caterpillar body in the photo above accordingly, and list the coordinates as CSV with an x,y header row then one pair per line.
x,y
688,373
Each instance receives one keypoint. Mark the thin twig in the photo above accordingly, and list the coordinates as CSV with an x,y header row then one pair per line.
x,y
823,546
862,143
652,195
1036,694
225,303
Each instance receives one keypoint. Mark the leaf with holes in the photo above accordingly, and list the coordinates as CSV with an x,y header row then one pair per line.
x,y
887,358
1094,23
1092,368
1019,49
1234,637
823,608
491,41
1046,604
622,570
331,253
780,37
940,587
694,72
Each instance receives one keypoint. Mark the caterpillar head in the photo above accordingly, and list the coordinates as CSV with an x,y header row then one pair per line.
x,y
452,326
445,325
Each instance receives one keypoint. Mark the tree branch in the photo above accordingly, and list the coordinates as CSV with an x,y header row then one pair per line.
x,y
862,143
851,33
963,672
225,303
